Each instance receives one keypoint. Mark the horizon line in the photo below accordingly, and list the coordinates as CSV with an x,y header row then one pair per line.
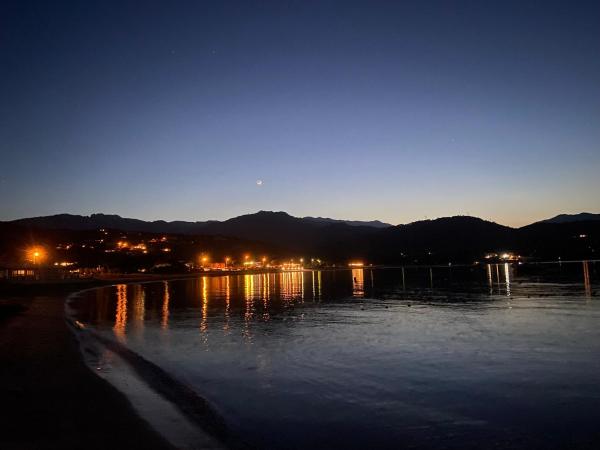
x,y
426,218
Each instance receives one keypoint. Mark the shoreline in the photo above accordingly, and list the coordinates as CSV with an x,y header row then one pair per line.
x,y
48,382
51,397
73,285
179,414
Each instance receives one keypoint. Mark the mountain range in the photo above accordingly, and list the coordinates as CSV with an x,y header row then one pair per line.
x,y
99,220
459,238
95,221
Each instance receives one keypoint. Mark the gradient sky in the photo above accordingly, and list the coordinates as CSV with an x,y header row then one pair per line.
x,y
359,110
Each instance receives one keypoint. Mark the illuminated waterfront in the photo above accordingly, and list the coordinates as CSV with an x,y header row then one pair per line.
x,y
497,356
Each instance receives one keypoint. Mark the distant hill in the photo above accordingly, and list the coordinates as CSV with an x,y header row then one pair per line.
x,y
457,238
281,229
566,218
443,240
96,221
278,228
354,223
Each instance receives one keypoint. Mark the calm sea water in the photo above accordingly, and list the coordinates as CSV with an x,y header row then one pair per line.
x,y
490,357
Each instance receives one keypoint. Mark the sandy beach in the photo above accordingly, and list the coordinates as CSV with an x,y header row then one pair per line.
x,y
50,398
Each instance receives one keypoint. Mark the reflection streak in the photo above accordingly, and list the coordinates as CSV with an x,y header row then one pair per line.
x,y
586,279
139,309
164,322
249,297
227,302
203,322
319,284
121,313
358,282
507,278
266,294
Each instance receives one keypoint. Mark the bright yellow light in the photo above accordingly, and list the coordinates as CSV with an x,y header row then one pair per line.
x,y
356,264
36,254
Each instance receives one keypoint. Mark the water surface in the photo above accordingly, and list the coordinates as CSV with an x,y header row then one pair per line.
x,y
495,356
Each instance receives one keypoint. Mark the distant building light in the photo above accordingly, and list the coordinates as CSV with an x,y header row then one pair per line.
x,y
356,264
64,263
291,266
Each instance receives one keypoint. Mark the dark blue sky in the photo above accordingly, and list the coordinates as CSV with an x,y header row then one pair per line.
x,y
359,110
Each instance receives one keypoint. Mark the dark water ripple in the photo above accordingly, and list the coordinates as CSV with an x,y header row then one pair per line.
x,y
490,357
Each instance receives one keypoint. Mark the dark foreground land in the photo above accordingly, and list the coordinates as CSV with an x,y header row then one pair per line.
x,y
50,399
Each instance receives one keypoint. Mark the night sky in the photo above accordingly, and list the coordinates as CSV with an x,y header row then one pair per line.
x,y
357,110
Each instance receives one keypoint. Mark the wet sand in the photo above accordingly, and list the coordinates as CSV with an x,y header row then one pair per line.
x,y
50,399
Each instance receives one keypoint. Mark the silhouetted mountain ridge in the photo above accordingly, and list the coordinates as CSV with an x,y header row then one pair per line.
x,y
447,239
565,218
100,220
358,223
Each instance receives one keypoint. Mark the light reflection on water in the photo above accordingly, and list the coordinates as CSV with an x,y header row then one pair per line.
x,y
586,279
358,278
164,322
501,355
121,312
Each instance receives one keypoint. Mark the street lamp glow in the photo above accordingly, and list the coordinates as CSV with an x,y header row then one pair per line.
x,y
36,255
